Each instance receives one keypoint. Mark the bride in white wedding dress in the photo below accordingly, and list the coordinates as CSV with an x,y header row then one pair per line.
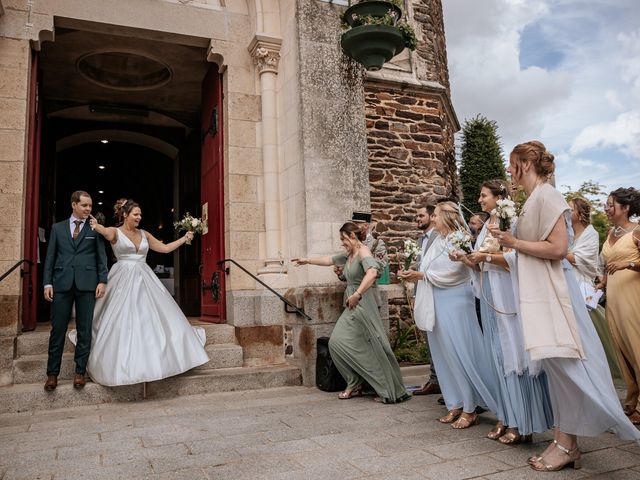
x,y
139,332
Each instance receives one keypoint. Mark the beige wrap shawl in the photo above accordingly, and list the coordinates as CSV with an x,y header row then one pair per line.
x,y
548,322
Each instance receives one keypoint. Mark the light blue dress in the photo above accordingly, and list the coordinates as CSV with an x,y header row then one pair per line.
x,y
584,399
456,346
523,399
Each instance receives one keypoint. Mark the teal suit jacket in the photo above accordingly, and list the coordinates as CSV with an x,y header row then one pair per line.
x,y
82,261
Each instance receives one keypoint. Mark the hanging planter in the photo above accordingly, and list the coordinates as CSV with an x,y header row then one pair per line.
x,y
375,33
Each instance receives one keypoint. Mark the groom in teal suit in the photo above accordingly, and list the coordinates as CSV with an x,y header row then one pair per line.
x,y
75,271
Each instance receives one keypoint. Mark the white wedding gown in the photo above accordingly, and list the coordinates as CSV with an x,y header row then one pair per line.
x,y
139,332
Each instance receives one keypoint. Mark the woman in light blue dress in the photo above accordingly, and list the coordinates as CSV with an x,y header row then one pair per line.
x,y
445,307
523,403
556,325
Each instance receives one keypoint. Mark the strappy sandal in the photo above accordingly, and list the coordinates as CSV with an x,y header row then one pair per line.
x,y
512,437
466,421
347,394
497,431
634,417
451,416
574,460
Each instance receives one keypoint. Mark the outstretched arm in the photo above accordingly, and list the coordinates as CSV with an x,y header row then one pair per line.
x,y
325,261
110,233
157,246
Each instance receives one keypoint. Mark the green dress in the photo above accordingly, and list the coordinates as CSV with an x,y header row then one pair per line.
x,y
359,345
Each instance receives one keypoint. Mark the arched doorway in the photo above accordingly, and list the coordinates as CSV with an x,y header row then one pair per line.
x,y
121,117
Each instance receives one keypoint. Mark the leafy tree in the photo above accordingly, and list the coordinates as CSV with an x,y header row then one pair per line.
x,y
481,158
592,192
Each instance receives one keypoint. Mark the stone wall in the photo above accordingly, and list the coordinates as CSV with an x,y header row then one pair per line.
x,y
14,70
411,159
431,54
410,128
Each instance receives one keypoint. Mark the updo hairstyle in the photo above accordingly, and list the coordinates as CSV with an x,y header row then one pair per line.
x,y
627,196
583,209
498,188
348,228
123,207
535,152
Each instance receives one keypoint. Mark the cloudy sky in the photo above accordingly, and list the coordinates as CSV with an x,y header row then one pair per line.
x,y
566,72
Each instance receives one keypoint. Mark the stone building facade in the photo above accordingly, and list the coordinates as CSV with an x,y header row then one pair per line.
x,y
301,145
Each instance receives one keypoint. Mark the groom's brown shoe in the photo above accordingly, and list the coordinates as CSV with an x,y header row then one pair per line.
x,y
51,383
428,389
78,380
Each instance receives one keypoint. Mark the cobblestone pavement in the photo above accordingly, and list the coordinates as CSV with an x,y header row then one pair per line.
x,y
282,433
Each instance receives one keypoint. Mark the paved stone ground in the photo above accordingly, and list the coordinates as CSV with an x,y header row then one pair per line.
x,y
283,433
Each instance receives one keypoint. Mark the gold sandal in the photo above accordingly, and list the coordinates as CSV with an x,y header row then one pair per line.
x,y
574,460
347,394
466,422
497,431
451,416
512,437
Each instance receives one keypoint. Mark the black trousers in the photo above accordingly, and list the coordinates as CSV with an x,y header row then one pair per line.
x,y
60,317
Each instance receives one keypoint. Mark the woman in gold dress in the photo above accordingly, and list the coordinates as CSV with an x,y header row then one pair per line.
x,y
621,255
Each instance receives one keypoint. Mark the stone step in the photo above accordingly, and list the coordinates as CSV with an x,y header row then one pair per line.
x,y
222,356
36,342
33,368
31,396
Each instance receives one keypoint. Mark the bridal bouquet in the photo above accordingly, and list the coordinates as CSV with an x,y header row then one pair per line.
x,y
411,251
460,239
506,214
189,224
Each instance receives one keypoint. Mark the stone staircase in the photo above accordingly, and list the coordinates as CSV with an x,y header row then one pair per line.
x,y
224,372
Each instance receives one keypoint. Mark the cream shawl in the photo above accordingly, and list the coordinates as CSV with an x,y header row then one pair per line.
x,y
548,322
440,271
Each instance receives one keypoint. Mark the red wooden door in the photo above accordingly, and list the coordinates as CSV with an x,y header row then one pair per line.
x,y
30,288
213,300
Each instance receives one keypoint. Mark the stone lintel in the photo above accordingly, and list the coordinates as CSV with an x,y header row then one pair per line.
x,y
409,84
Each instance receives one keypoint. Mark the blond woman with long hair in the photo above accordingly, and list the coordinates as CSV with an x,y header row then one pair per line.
x,y
445,308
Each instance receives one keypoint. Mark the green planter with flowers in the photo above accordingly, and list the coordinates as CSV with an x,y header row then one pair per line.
x,y
376,32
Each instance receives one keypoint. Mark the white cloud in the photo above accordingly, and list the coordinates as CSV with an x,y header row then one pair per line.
x,y
581,97
622,133
483,50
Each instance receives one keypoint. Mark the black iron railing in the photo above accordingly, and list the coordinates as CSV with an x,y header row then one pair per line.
x,y
18,264
294,308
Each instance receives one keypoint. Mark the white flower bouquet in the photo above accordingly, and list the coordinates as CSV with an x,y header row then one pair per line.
x,y
460,239
411,252
506,214
189,224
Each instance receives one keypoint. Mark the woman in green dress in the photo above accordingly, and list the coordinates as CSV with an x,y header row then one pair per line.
x,y
359,344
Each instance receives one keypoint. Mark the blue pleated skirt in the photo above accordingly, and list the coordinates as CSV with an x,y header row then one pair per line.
x,y
523,401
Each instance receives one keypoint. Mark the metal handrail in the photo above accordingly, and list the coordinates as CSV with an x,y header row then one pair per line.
x,y
297,310
22,272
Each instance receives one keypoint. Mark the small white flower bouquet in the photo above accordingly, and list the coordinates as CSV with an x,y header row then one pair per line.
x,y
506,214
411,252
189,224
460,239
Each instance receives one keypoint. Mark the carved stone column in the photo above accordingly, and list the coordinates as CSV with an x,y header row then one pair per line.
x,y
266,54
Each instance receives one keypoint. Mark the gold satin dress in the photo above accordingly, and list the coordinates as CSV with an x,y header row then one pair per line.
x,y
623,313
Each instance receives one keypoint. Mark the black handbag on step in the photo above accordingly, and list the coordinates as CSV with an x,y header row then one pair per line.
x,y
328,377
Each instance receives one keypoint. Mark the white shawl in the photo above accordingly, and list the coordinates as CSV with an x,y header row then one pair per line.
x,y
585,249
441,272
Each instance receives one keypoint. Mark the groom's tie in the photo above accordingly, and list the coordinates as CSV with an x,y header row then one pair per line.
x,y
76,231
